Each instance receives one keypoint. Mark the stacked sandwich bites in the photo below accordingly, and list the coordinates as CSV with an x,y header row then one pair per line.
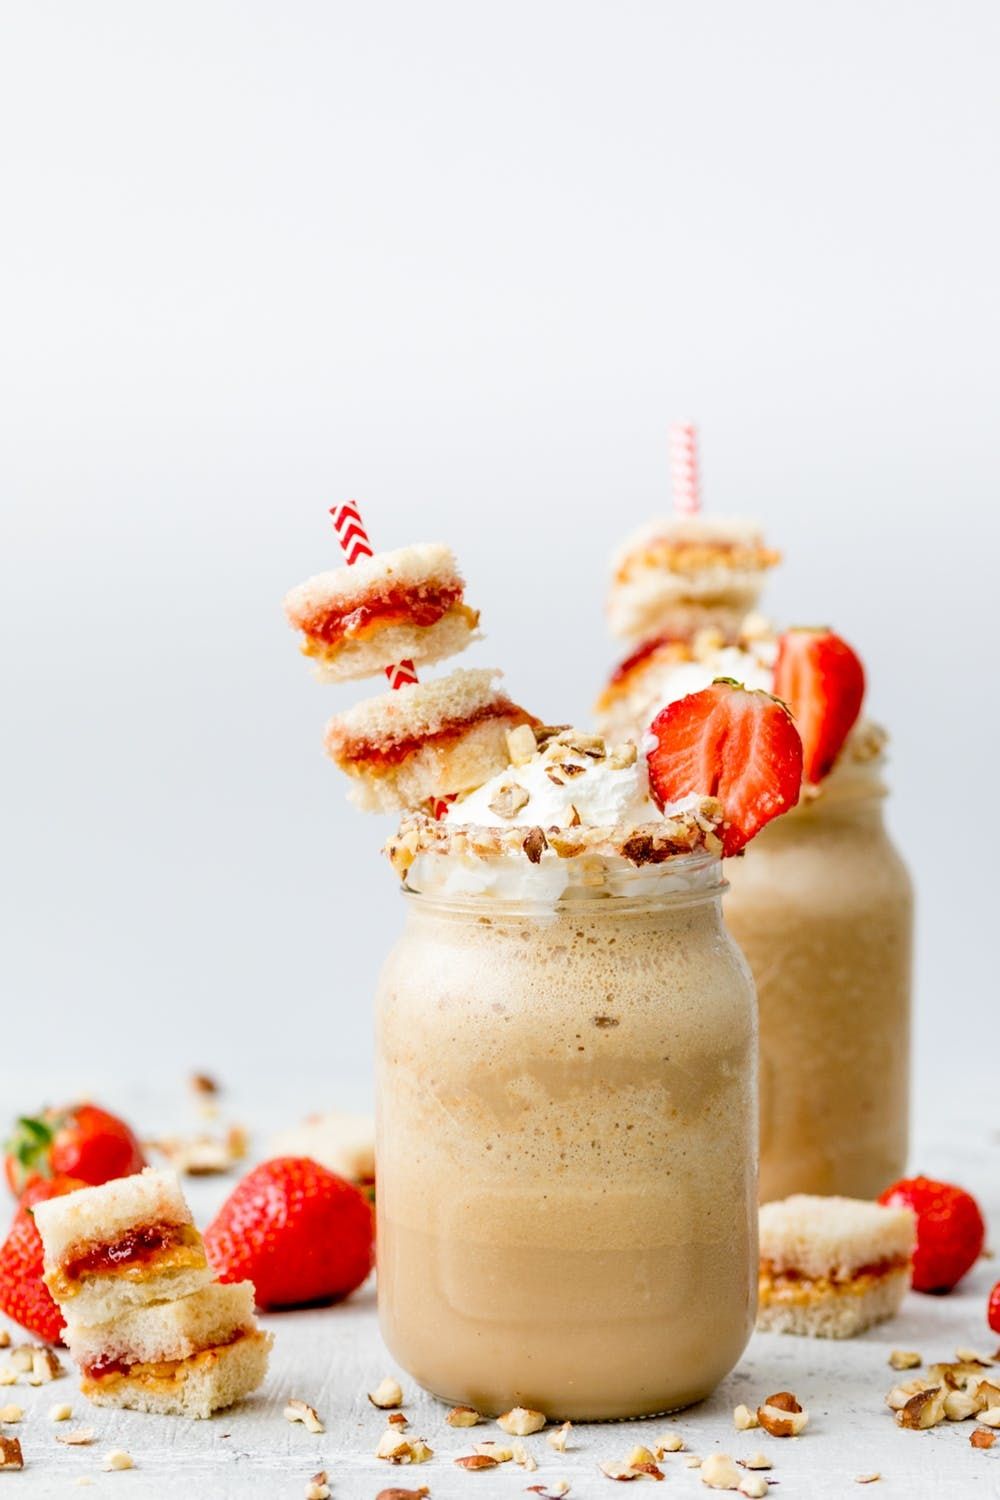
x,y
425,741
146,1322
682,573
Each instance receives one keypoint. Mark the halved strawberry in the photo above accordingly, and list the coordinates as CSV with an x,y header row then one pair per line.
x,y
823,682
738,746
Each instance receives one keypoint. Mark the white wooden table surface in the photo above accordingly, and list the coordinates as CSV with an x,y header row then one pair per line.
x,y
332,1357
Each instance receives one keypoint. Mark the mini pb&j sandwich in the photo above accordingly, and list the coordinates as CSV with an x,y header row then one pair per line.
x,y
127,1242
406,605
425,741
831,1267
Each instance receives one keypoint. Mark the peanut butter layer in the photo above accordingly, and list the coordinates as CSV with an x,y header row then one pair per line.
x,y
141,1254
790,1287
162,1376
690,557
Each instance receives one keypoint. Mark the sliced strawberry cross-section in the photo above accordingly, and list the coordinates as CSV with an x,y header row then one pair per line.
x,y
738,746
823,682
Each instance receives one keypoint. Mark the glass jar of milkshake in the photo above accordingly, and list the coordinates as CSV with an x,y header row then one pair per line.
x,y
822,907
566,1095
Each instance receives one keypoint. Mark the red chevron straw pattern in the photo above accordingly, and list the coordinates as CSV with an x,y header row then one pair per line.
x,y
684,481
351,533
355,544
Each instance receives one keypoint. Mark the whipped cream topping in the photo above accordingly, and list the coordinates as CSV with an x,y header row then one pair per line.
x,y
754,667
564,786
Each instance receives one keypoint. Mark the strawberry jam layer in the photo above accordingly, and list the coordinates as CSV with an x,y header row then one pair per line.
x,y
136,1246
421,606
389,753
871,1271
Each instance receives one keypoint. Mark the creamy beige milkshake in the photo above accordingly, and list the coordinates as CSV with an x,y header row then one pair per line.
x,y
566,1174
567,1102
822,907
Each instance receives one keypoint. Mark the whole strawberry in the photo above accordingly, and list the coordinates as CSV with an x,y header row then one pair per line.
x,y
993,1309
81,1141
23,1294
297,1231
950,1230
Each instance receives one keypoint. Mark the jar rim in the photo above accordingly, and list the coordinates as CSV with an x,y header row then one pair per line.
x,y
612,885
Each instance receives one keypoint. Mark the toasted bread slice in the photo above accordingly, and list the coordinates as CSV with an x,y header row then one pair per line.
x,y
166,1330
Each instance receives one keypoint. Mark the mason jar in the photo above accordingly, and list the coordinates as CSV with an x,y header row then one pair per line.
x,y
822,907
566,1146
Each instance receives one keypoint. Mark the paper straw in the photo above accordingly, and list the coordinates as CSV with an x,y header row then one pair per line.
x,y
354,544
682,438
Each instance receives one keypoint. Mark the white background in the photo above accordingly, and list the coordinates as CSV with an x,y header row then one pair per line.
x,y
463,262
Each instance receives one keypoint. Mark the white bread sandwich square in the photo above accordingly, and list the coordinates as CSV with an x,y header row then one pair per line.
x,y
831,1267
128,1242
187,1358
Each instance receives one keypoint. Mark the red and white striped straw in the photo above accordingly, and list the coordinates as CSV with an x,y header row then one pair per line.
x,y
354,543
684,480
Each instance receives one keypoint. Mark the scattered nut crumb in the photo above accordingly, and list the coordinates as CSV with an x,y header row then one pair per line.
x,y
521,1421
397,1419
672,1443
755,1461
521,745
22,1358
299,1411
990,1417
489,1449
11,1456
45,1366
420,1451
4,1339
754,1486
559,1437
868,1478
465,1416
318,1488
394,1447
720,1473
477,1461
83,1480
969,1356
388,1393
744,1419
625,1472
982,1438
550,1492
11,1413
203,1083
692,1461
782,1416
78,1438
398,1494
958,1405
117,1459
905,1359
925,1409
8,1375
60,1413
522,1457
639,1456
